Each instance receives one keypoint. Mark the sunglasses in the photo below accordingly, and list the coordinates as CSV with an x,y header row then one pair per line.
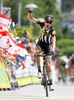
x,y
48,22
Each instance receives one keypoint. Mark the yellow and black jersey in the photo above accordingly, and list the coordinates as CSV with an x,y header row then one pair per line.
x,y
46,36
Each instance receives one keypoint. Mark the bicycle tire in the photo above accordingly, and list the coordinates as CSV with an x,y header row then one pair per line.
x,y
46,83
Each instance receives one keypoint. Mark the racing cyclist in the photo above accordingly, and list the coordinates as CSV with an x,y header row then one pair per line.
x,y
46,41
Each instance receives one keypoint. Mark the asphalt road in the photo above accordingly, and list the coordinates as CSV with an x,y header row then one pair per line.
x,y
37,92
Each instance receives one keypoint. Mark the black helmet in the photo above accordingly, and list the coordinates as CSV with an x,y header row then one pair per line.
x,y
49,18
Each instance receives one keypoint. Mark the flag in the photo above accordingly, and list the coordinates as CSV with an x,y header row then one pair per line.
x,y
4,40
7,42
5,22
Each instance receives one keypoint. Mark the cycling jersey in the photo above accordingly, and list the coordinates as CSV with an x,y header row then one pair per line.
x,y
46,36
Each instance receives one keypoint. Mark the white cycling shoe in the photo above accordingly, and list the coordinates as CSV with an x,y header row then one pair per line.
x,y
51,88
39,75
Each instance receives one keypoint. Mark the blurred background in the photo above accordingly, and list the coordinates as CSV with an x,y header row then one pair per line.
x,y
63,12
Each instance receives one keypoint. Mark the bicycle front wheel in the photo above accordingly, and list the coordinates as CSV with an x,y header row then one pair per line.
x,y
45,78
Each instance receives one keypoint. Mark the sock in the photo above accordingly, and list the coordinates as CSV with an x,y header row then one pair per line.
x,y
50,75
39,69
50,78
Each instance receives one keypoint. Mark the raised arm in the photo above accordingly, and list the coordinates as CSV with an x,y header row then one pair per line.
x,y
30,16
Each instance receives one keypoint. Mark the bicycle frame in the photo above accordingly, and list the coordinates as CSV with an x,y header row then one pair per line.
x,y
45,76
45,72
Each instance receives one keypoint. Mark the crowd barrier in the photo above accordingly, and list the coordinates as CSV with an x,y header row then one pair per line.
x,y
28,79
4,80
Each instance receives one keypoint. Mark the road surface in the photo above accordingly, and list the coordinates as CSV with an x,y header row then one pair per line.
x,y
37,92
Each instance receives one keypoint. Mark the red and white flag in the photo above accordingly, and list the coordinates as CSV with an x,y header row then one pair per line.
x,y
7,42
4,40
5,22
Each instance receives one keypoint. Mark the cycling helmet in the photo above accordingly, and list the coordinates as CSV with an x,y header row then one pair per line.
x,y
49,18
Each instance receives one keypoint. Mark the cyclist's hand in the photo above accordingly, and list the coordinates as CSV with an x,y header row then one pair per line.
x,y
52,53
31,10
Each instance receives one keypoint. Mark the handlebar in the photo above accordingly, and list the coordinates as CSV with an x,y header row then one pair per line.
x,y
42,55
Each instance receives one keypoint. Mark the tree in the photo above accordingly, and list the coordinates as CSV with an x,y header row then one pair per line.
x,y
44,7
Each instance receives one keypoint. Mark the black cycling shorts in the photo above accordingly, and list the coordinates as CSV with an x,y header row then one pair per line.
x,y
44,46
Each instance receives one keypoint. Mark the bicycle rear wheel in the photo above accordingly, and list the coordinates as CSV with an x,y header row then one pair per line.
x,y
45,78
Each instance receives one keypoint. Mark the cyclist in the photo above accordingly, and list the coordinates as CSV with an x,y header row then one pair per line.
x,y
71,65
46,41
72,60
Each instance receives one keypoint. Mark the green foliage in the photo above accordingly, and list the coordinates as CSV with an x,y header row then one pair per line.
x,y
68,50
65,40
66,46
63,43
13,5
45,7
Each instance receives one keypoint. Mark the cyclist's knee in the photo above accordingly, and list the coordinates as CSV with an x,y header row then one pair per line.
x,y
38,50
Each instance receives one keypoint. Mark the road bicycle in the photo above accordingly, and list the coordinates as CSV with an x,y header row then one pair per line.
x,y
45,75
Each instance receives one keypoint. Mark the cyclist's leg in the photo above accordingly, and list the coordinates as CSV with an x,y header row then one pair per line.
x,y
48,65
49,68
38,51
48,61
